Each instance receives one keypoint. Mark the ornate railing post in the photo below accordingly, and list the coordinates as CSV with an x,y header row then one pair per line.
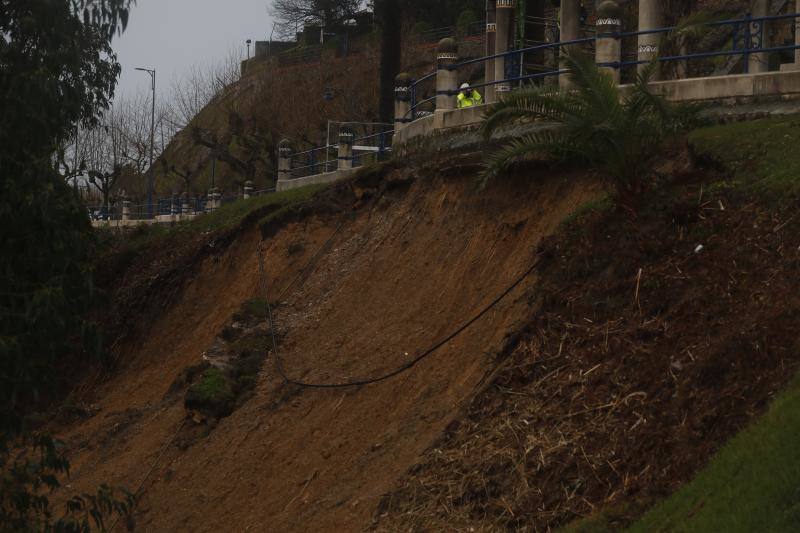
x,y
491,47
505,17
446,78
346,140
284,160
213,199
609,48
402,101
570,31
650,18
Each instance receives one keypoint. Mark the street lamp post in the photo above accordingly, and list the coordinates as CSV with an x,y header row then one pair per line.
x,y
249,41
150,180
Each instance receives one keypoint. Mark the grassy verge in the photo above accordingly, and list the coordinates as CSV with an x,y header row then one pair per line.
x,y
760,156
753,484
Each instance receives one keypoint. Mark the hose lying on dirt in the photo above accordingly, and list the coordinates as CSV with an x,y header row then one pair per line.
x,y
366,381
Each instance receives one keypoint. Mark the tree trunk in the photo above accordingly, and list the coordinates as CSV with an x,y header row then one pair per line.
x,y
389,20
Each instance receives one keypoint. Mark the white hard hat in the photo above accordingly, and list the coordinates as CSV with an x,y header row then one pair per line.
x,y
465,85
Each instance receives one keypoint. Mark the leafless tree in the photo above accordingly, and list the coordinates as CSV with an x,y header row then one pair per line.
x,y
104,155
293,14
187,172
200,86
243,146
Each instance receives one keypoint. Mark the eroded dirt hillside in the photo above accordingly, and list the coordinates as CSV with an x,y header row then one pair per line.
x,y
658,337
417,255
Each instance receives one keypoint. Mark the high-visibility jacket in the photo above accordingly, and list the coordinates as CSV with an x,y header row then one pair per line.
x,y
473,99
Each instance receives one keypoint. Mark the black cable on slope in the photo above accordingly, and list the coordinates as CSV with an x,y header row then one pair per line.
x,y
409,365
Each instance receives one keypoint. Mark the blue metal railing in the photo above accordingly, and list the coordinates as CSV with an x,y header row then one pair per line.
x,y
308,163
747,36
173,205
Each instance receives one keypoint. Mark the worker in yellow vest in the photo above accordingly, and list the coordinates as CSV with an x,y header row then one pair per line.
x,y
468,97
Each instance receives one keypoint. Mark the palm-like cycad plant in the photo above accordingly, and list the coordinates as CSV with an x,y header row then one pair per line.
x,y
619,135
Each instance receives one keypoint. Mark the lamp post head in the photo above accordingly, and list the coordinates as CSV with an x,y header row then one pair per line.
x,y
150,71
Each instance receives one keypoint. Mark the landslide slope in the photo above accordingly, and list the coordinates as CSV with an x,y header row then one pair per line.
x,y
657,338
419,252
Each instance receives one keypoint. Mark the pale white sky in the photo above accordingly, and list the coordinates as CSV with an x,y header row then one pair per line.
x,y
173,35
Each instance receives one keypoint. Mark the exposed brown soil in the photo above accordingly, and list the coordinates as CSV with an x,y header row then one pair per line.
x,y
417,259
647,354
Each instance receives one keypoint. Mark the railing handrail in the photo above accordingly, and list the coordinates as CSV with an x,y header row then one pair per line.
x,y
727,22
745,51
379,134
522,51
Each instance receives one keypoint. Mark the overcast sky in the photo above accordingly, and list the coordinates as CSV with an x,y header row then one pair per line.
x,y
173,35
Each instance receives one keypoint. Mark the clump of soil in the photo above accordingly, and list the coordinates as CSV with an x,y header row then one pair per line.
x,y
657,339
229,372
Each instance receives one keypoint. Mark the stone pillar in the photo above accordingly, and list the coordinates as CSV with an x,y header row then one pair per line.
x,y
570,16
173,206
609,48
346,138
505,17
402,101
491,34
213,199
284,160
248,189
210,200
759,62
187,206
650,18
126,209
446,79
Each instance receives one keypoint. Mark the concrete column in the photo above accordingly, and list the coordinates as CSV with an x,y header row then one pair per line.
x,y
446,79
491,45
248,189
173,208
402,101
759,62
213,199
187,206
609,48
505,18
346,138
570,16
126,209
210,206
651,17
284,160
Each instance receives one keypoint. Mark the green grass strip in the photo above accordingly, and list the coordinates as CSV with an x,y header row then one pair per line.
x,y
752,484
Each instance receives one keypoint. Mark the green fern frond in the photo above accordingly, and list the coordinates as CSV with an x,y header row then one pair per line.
x,y
544,143
531,104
